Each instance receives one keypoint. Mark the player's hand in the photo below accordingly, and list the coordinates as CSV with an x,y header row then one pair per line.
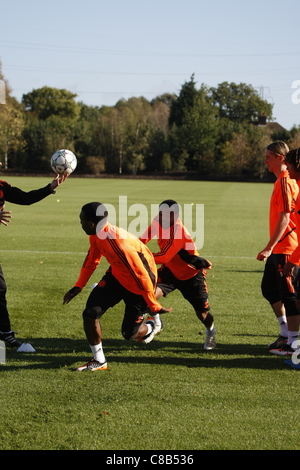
x,y
288,269
263,255
71,294
5,217
59,179
165,310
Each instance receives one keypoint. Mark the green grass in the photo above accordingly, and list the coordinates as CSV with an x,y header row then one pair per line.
x,y
170,394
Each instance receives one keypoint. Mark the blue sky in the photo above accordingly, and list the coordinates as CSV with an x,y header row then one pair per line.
x,y
105,50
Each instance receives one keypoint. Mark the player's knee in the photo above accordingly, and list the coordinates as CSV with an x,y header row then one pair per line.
x,y
291,308
203,306
93,313
129,333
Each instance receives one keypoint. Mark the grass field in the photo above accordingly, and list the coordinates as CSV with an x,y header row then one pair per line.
x,y
170,394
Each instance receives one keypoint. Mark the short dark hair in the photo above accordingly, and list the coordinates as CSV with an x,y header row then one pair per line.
x,y
293,158
92,213
172,204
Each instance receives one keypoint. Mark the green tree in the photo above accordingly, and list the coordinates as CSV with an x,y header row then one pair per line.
x,y
45,102
194,128
183,103
11,126
11,131
239,102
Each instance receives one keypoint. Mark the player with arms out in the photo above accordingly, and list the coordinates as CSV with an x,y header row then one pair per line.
x,y
276,288
131,277
17,196
182,267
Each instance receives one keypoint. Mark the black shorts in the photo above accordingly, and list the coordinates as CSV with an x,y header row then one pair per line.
x,y
278,288
110,292
194,289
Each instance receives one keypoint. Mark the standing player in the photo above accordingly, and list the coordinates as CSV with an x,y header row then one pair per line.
x,y
276,288
182,267
292,265
17,196
131,277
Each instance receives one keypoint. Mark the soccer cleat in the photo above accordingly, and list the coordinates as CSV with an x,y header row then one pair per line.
x,y
158,324
149,337
278,342
210,342
93,365
283,350
10,339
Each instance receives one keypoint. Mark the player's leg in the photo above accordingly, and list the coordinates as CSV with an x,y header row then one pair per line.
x,y
105,295
164,287
271,292
288,293
196,292
133,325
5,328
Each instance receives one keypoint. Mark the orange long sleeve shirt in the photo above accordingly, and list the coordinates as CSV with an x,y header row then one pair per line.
x,y
132,263
295,256
170,242
283,199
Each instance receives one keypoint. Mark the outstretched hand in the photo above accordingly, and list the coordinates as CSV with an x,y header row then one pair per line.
x,y
165,310
5,217
58,180
71,294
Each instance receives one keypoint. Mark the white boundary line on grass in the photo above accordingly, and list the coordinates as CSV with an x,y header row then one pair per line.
x,y
84,252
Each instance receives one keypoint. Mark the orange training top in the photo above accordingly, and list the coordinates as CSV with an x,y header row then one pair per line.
x,y
170,242
132,263
295,256
283,199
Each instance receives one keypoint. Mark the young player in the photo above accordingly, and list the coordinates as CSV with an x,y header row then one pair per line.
x,y
17,196
293,263
276,288
131,277
182,267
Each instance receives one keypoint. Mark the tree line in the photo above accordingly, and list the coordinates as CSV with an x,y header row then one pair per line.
x,y
211,131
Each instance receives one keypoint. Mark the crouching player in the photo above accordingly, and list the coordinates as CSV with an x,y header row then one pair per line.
x,y
182,267
131,277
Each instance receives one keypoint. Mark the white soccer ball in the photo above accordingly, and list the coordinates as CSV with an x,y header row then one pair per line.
x,y
63,162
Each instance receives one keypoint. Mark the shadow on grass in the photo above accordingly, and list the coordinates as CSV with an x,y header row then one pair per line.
x,y
54,353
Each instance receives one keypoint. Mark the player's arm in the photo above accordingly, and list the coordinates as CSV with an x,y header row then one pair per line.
x,y
171,248
18,196
148,234
196,261
283,221
91,262
143,279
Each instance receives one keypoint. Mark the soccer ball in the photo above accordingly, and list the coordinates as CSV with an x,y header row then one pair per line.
x,y
63,162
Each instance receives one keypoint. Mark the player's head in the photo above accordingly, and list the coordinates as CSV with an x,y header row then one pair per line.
x,y
278,147
293,163
275,155
93,217
168,213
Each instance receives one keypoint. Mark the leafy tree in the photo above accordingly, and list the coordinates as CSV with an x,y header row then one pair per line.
x,y
45,102
166,162
240,103
183,103
11,129
11,125
195,132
